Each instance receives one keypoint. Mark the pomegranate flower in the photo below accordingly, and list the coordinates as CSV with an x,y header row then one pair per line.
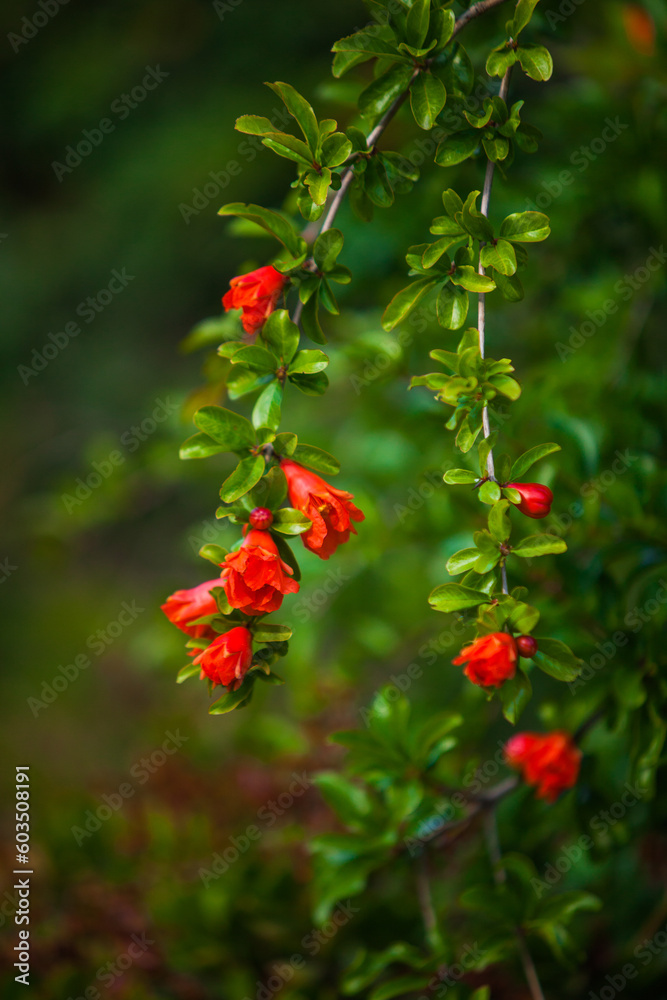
x,y
256,294
227,660
255,578
490,660
330,510
185,606
551,761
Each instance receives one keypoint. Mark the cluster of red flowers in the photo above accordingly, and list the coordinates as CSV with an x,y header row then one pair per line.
x,y
550,761
255,579
256,294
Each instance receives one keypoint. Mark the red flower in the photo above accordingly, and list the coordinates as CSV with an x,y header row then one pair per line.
x,y
551,762
254,577
328,508
536,499
256,293
491,659
227,659
185,606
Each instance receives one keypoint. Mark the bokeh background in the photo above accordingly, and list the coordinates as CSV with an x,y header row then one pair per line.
x,y
138,204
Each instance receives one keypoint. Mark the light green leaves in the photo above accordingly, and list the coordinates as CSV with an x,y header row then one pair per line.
x,y
529,458
525,227
539,545
272,222
405,301
228,429
556,659
454,597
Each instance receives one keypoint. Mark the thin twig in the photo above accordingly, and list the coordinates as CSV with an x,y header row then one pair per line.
x,y
474,11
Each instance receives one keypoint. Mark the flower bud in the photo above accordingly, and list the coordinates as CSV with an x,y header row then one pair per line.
x,y
526,645
535,500
261,517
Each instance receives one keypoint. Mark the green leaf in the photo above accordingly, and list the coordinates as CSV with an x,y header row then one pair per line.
x,y
405,301
285,443
326,249
417,22
336,149
271,490
536,61
510,286
290,522
456,148
383,91
530,457
514,696
318,184
281,334
506,385
289,147
539,545
501,257
460,477
525,227
348,800
489,492
500,60
246,475
272,222
522,15
310,385
452,306
189,670
266,411
300,110
256,358
462,561
233,699
454,597
369,42
308,362
556,659
315,458
310,320
473,220
229,429
200,446
270,632
499,522
468,278
214,553
427,99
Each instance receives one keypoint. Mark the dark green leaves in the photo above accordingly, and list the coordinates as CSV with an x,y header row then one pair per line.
x,y
246,474
315,458
556,659
281,334
427,99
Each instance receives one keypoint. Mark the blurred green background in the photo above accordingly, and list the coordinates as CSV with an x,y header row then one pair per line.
x,y
138,204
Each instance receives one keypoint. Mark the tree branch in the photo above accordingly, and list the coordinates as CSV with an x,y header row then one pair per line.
x,y
475,11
